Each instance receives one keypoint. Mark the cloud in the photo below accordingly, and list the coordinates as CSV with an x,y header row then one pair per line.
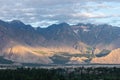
x,y
46,12
89,15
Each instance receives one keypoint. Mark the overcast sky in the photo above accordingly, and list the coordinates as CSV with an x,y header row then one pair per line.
x,y
46,12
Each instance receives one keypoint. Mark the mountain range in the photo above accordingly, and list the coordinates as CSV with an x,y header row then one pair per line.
x,y
59,43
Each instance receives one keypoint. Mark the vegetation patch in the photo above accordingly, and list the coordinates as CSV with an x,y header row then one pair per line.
x,y
103,53
4,61
40,52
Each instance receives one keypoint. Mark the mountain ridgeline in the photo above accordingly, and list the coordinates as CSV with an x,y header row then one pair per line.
x,y
59,43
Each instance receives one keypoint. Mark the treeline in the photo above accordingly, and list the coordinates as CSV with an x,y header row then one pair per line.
x,y
61,74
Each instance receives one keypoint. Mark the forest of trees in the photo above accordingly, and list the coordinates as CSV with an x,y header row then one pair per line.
x,y
61,74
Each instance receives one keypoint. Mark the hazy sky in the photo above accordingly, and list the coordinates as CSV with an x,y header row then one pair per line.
x,y
46,12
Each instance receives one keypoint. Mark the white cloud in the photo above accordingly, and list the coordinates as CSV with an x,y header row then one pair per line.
x,y
89,15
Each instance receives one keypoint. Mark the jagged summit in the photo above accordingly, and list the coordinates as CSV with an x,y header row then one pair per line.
x,y
16,21
64,24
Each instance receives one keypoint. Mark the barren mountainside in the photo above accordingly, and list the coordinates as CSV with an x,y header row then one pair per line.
x,y
59,43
